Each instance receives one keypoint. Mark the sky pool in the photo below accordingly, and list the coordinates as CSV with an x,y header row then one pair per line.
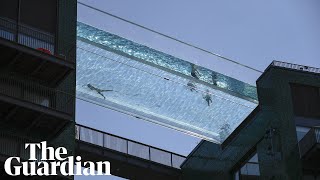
x,y
158,87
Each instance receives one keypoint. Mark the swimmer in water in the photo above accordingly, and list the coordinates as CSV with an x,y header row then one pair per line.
x,y
191,86
214,78
99,91
194,72
207,97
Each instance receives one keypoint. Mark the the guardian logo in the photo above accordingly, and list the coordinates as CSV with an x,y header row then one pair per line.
x,y
51,163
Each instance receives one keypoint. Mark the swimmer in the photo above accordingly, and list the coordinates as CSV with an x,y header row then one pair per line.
x,y
214,78
99,91
194,72
191,86
207,97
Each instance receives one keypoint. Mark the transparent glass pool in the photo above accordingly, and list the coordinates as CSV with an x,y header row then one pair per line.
x,y
157,87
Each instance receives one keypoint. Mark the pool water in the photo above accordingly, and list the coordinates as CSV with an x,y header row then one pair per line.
x,y
157,87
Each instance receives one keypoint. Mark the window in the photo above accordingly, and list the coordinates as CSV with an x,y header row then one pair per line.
x,y
301,132
39,14
306,100
251,167
32,23
249,170
36,13
9,10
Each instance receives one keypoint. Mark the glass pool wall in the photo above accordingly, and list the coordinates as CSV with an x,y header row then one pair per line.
x,y
148,55
153,94
148,84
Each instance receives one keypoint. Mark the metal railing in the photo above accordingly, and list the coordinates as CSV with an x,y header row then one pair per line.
x,y
37,94
129,147
32,37
295,66
309,140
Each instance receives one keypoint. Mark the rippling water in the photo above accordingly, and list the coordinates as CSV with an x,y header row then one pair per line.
x,y
139,89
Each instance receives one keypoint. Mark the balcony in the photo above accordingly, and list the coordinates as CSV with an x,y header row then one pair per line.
x,y
32,52
33,109
129,159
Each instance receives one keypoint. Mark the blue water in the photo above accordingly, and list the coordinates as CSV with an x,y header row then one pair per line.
x,y
144,91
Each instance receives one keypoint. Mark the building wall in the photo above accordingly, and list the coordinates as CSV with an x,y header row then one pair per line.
x,y
278,154
64,49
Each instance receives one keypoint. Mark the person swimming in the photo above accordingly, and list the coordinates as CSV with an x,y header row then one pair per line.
x,y
99,91
207,97
191,86
214,78
194,72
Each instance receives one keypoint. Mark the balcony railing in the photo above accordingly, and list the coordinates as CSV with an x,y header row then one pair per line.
x,y
37,94
128,147
32,37
295,66
309,140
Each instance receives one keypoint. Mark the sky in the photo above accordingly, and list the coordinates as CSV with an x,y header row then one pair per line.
x,y
249,31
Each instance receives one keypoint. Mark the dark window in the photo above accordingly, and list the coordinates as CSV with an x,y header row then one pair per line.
x,y
9,9
39,14
32,23
306,100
